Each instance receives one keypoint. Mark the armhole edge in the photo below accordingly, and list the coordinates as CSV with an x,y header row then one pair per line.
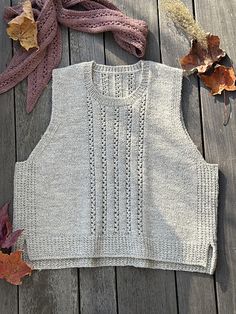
x,y
51,128
177,95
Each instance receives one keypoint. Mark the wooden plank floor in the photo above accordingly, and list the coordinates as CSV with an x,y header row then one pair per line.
x,y
128,290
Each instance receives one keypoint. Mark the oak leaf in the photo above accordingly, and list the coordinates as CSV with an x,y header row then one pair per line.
x,y
201,59
7,237
223,78
13,268
24,28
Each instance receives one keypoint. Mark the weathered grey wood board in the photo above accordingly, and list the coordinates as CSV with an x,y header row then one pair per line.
x,y
128,290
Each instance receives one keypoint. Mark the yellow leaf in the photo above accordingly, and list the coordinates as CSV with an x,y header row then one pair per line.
x,y
24,27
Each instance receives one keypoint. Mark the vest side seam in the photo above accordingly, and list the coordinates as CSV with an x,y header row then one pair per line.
x,y
24,202
207,210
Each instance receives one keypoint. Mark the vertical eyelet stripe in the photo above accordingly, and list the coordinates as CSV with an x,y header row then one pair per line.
x,y
131,83
127,167
92,166
118,85
140,165
116,169
105,83
104,167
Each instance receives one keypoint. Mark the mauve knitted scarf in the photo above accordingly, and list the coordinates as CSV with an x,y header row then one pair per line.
x,y
37,64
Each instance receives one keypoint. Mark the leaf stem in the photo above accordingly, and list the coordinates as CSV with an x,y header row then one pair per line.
x,y
226,113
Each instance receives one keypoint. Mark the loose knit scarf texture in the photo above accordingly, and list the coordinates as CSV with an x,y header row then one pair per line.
x,y
37,64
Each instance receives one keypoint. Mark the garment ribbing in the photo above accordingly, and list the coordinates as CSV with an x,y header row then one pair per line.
x,y
116,179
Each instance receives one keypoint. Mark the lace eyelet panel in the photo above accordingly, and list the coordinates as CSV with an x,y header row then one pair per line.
x,y
116,170
104,168
140,164
122,164
92,166
127,167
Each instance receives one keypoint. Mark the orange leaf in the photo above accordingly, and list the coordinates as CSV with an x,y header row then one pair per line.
x,y
200,59
13,268
222,78
24,27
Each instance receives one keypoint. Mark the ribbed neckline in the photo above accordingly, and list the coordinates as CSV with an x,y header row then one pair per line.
x,y
92,89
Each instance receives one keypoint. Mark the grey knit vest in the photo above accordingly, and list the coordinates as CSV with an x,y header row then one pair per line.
x,y
116,179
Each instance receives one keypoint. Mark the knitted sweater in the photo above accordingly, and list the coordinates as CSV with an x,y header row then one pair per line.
x,y
116,178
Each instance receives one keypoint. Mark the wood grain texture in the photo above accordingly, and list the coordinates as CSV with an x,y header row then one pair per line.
x,y
98,291
8,293
97,285
219,18
54,291
145,291
196,292
46,291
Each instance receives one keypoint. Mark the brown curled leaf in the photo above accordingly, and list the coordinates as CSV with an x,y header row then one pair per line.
x,y
24,27
201,59
223,78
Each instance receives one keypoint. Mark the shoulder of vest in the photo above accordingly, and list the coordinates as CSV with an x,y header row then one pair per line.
x,y
68,68
164,68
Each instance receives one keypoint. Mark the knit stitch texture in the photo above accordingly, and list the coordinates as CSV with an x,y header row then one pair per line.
x,y
116,179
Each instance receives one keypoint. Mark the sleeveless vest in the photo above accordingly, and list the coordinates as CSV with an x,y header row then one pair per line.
x,y
116,179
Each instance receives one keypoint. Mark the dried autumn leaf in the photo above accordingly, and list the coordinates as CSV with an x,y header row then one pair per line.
x,y
7,237
13,268
24,27
222,78
200,59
